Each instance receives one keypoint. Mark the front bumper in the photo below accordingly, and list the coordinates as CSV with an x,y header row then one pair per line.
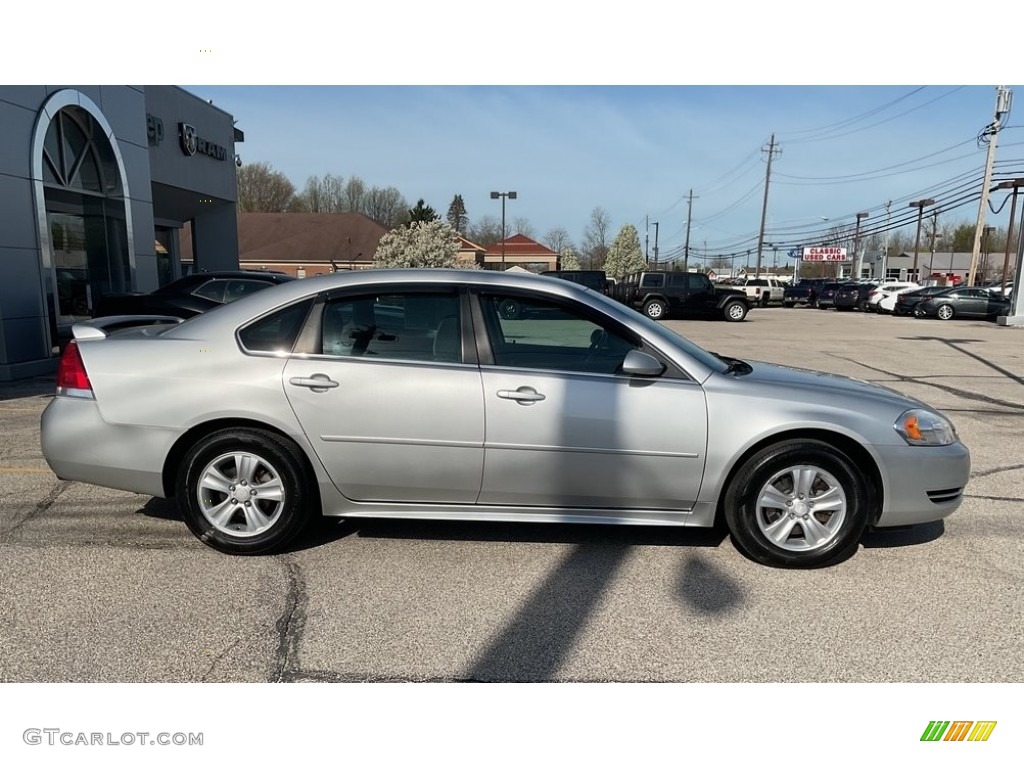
x,y
923,483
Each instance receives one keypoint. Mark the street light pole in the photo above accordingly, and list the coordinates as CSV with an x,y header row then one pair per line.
x,y
503,196
655,223
920,205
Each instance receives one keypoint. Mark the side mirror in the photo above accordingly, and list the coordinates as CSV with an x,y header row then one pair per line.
x,y
637,363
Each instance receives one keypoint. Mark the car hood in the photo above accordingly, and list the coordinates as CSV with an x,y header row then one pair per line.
x,y
826,387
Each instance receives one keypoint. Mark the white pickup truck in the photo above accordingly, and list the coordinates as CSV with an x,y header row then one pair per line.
x,y
763,290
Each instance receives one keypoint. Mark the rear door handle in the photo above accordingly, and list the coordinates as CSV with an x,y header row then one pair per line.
x,y
523,395
318,382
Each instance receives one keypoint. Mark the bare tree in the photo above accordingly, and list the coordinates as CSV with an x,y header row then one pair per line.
x,y
386,206
595,238
486,232
354,195
521,226
558,239
261,189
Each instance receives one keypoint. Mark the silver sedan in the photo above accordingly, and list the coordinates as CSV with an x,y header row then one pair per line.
x,y
411,394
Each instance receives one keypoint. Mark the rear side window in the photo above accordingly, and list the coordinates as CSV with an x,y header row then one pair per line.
x,y
653,281
277,331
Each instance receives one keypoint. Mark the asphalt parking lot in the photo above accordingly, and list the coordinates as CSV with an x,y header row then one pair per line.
x,y
102,585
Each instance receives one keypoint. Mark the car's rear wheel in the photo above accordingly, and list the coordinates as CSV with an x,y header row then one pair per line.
x,y
945,312
735,311
244,491
655,309
797,504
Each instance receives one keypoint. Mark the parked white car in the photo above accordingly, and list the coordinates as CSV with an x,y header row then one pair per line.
x,y
883,298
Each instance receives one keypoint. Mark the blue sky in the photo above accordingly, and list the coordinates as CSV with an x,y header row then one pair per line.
x,y
459,97
636,151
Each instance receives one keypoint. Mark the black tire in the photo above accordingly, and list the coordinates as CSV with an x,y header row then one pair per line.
x,y
764,533
248,460
655,309
765,299
510,309
734,311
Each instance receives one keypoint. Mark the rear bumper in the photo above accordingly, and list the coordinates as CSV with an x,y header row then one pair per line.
x,y
79,445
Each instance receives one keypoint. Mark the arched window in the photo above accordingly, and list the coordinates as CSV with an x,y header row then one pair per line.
x,y
77,155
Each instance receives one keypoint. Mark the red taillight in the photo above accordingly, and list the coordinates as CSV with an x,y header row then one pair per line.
x,y
71,376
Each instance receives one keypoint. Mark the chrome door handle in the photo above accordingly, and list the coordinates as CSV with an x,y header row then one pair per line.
x,y
318,382
524,395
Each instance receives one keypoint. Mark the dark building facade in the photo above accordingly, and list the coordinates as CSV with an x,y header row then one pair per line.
x,y
95,184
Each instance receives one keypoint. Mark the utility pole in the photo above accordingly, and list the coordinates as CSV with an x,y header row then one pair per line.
x,y
647,235
655,244
772,150
885,253
934,233
855,263
1014,185
689,218
1004,97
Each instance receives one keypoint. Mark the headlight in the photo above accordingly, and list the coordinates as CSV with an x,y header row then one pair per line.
x,y
920,427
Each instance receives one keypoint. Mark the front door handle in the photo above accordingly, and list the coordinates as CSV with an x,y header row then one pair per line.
x,y
318,382
523,395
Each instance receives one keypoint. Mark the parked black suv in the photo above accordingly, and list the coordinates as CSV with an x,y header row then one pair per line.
x,y
852,295
691,294
594,279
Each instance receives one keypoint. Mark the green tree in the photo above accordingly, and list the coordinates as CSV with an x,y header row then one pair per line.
x,y
419,244
457,216
422,212
625,255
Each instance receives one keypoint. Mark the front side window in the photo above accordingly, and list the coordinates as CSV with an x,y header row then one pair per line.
x,y
551,335
396,326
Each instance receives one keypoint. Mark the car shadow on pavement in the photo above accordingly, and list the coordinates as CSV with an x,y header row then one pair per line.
x,y
41,387
546,533
881,538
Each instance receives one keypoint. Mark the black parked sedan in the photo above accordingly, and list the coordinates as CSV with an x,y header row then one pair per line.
x,y
191,295
827,294
962,302
907,302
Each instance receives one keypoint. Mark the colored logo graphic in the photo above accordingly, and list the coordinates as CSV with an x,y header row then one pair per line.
x,y
958,730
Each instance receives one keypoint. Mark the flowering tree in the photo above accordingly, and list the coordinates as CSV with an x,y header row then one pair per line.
x,y
568,259
420,244
625,256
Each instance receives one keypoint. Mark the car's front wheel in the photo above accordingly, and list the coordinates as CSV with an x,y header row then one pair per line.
x,y
797,504
244,491
735,311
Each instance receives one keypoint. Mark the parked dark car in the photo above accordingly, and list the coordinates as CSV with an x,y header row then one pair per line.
x,y
907,302
688,294
191,295
804,292
962,302
852,296
827,294
595,279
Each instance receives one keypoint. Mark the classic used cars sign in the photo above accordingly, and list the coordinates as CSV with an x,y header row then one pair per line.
x,y
824,253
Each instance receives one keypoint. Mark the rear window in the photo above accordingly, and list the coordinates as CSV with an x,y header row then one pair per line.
x,y
277,331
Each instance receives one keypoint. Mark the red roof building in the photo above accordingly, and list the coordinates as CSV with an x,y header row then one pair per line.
x,y
519,250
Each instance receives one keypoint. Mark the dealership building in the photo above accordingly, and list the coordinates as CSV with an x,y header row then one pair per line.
x,y
96,183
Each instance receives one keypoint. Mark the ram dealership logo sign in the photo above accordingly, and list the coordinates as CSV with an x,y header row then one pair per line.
x,y
192,143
